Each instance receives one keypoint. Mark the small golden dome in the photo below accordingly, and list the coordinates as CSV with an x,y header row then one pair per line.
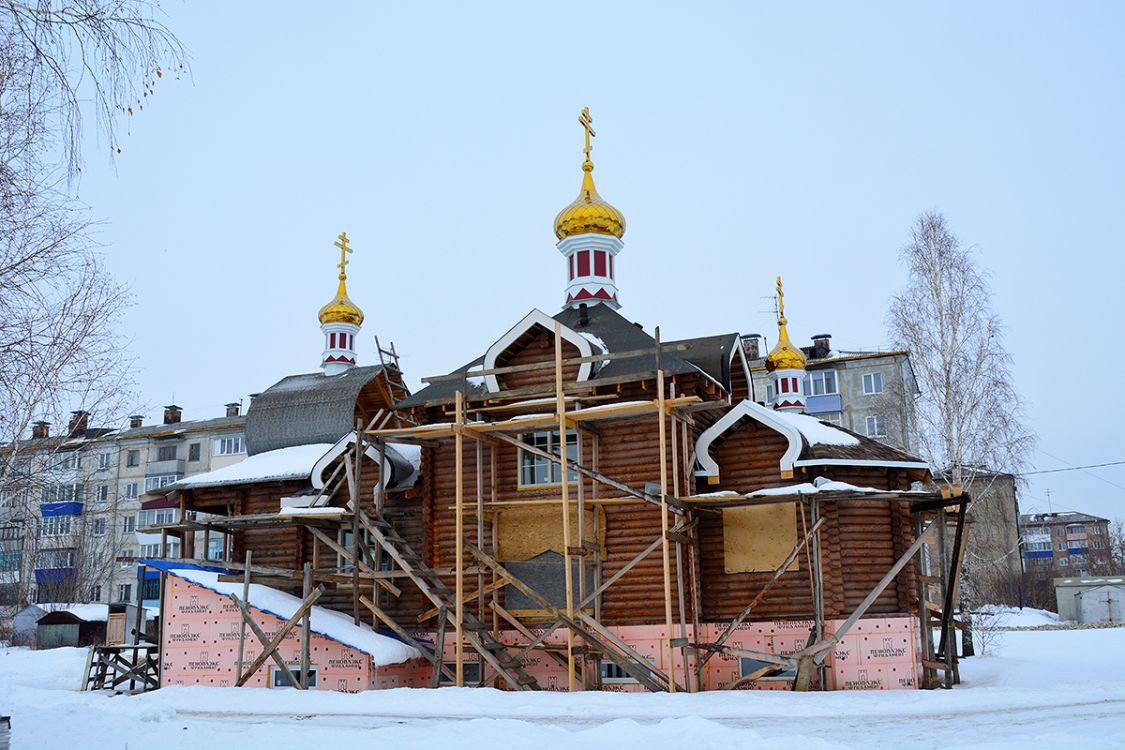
x,y
341,309
589,213
784,356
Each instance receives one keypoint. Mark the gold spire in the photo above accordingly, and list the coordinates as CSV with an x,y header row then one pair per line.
x,y
341,309
589,213
784,356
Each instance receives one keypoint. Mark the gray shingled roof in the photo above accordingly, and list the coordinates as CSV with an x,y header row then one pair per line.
x,y
619,335
176,428
303,409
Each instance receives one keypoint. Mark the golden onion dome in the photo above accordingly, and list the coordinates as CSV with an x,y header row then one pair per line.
x,y
341,309
589,213
784,356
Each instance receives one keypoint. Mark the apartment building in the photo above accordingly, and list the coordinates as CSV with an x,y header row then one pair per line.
x,y
871,393
72,506
1065,545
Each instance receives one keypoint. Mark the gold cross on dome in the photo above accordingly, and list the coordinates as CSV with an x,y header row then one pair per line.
x,y
585,120
780,299
342,243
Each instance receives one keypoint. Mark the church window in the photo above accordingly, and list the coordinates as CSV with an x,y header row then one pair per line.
x,y
583,262
599,262
571,263
784,383
536,470
793,384
611,266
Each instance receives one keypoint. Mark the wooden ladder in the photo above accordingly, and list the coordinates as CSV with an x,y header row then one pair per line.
x,y
476,632
932,584
392,376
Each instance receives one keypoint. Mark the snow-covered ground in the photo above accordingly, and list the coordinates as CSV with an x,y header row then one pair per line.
x,y
1056,688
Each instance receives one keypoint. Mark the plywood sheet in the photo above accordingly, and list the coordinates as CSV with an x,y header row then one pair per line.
x,y
759,538
524,533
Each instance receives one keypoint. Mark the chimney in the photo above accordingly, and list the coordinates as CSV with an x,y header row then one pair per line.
x,y
40,430
822,345
172,414
752,345
233,408
136,421
583,314
254,396
79,420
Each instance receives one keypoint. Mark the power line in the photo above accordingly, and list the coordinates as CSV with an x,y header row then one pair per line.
x,y
1071,468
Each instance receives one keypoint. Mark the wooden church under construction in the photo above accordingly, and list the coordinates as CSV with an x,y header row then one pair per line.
x,y
583,506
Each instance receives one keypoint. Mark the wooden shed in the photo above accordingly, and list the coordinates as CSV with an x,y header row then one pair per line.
x,y
65,628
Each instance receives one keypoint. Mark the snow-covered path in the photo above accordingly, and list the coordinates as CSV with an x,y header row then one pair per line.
x,y
1054,687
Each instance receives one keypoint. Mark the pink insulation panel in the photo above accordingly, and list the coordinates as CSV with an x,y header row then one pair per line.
x,y
201,645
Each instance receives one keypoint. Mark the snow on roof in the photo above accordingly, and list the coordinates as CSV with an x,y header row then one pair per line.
x,y
816,432
295,462
820,484
339,627
87,612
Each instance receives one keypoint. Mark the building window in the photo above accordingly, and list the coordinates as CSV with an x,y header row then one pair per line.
x,y
1062,546
124,592
1097,530
133,458
166,453
99,526
71,460
101,494
277,678
193,452
1076,529
131,490
52,559
599,262
583,262
1059,532
105,460
537,470
876,427
153,550
157,517
66,492
873,383
821,383
215,547
227,446
54,526
126,557
615,675
10,561
1099,544
128,524
471,672
1064,561
1038,546
159,482
96,594
835,417
343,564
570,266
769,393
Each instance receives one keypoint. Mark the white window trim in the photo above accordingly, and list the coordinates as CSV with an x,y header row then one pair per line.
x,y
875,419
811,374
275,672
552,466
873,392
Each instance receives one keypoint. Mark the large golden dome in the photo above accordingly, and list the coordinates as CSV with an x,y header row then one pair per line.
x,y
784,356
589,213
341,309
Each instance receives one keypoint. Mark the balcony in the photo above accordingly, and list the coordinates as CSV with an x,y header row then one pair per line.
x,y
161,468
824,404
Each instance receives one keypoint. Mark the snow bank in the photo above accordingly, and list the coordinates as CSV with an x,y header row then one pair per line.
x,y
1018,617
331,624
816,432
295,462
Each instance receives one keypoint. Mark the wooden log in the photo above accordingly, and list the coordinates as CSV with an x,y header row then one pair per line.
x,y
564,467
245,597
270,646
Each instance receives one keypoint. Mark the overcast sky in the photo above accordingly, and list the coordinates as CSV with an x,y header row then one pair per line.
x,y
740,143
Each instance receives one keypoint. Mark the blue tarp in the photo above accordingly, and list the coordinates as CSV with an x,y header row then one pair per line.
x,y
60,509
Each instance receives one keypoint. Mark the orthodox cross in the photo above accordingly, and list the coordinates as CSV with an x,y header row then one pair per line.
x,y
585,120
342,243
780,300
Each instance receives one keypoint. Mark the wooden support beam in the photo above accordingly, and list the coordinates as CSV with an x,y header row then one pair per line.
x,y
306,626
242,623
439,647
564,467
488,589
270,646
356,563
666,557
459,544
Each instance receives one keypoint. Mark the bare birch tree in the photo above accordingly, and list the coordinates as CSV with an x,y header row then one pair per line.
x,y
969,418
60,309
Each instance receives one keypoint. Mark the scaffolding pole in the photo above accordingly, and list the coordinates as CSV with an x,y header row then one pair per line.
x,y
560,408
665,554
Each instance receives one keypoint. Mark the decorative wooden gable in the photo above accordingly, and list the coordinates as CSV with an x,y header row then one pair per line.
x,y
532,341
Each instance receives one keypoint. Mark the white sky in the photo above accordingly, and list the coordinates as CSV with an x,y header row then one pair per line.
x,y
740,144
